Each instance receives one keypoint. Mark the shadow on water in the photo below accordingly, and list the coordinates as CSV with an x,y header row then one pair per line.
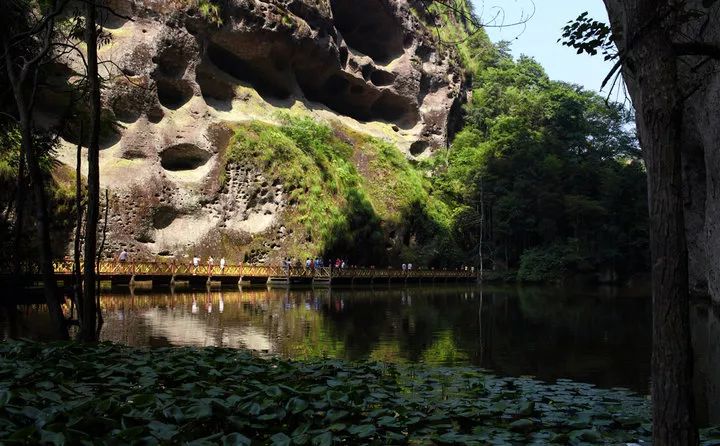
x,y
600,336
705,322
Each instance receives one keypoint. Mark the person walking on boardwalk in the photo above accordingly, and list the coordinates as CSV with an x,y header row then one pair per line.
x,y
195,263
284,265
123,255
222,265
308,262
409,266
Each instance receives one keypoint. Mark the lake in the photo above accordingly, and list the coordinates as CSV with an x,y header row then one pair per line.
x,y
600,336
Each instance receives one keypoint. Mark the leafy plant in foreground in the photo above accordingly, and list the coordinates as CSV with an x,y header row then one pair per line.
x,y
109,394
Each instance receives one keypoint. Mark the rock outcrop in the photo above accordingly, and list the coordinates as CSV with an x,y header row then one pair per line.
x,y
179,80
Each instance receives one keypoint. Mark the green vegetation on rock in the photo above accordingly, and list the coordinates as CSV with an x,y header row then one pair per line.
x,y
346,191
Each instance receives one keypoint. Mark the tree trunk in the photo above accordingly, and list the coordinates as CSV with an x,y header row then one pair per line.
x,y
88,332
19,215
43,225
78,227
650,70
673,405
22,71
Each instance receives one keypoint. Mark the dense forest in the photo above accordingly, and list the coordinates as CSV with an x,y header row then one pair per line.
x,y
549,174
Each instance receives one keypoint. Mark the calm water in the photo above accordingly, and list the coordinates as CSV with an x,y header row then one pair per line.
x,y
600,336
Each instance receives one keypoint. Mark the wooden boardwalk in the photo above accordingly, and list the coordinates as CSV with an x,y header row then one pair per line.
x,y
168,273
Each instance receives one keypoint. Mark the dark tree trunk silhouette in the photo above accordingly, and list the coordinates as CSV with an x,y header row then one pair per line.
x,y
644,32
78,227
19,215
88,322
43,222
22,64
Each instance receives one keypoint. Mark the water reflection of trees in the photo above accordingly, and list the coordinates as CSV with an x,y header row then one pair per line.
x,y
592,337
549,332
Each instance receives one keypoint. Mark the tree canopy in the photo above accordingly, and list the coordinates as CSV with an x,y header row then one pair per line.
x,y
557,169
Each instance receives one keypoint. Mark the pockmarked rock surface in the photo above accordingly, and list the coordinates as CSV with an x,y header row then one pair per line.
x,y
179,79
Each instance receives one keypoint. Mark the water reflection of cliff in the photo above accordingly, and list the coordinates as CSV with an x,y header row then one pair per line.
x,y
547,333
597,336
265,320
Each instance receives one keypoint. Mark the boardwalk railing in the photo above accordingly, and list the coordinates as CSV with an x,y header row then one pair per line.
x,y
174,269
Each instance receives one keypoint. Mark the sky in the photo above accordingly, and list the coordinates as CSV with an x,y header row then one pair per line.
x,y
538,38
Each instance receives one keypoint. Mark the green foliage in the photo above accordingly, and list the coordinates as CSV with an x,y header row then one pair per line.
x,y
210,11
551,163
547,263
346,207
587,35
9,155
454,23
60,191
109,394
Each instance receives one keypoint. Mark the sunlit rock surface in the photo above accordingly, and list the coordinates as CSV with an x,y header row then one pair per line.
x,y
178,82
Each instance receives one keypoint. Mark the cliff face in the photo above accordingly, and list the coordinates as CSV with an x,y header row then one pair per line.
x,y
181,80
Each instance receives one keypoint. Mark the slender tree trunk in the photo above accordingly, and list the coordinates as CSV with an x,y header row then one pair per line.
x,y
100,320
78,227
22,70
19,215
482,228
43,225
88,323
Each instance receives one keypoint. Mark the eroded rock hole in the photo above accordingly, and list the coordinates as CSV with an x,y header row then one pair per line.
x,y
173,93
163,217
339,94
393,108
211,86
343,56
262,74
424,52
155,114
382,78
132,154
419,147
408,41
172,60
369,27
125,111
183,157
336,84
366,71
